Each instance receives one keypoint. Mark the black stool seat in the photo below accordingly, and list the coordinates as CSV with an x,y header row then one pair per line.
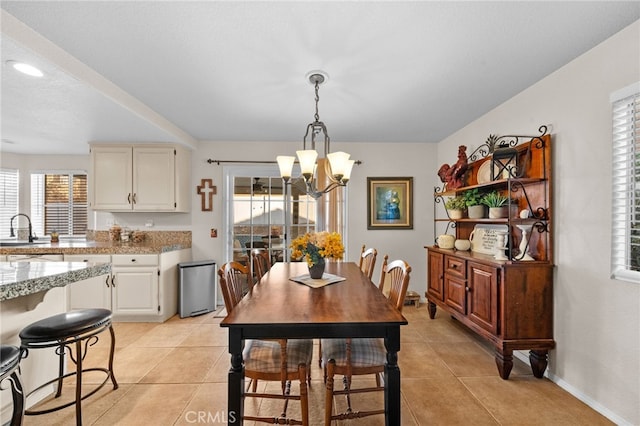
x,y
9,358
65,325
9,369
70,333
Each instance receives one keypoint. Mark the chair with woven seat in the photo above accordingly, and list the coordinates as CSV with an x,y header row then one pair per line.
x,y
281,360
368,260
238,277
362,356
261,262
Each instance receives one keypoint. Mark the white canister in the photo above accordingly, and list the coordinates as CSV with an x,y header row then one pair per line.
x,y
462,245
446,241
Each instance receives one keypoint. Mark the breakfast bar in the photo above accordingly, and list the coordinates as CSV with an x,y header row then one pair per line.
x,y
31,291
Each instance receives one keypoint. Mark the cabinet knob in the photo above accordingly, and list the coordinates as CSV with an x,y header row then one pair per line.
x,y
106,281
133,261
129,198
467,289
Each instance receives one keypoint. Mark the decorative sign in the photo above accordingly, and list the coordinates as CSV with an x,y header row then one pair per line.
x,y
484,238
206,191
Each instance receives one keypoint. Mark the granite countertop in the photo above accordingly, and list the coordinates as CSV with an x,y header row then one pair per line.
x,y
94,247
24,278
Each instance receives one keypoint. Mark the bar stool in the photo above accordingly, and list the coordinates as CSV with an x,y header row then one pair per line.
x,y
10,369
62,331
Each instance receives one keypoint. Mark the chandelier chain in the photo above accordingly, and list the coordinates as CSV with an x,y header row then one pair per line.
x,y
317,115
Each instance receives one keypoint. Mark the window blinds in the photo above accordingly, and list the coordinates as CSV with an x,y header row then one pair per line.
x,y
625,247
8,199
59,203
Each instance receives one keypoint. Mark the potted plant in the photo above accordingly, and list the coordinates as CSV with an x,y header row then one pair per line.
x,y
498,204
455,207
473,202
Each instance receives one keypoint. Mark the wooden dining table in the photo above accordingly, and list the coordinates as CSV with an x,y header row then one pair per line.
x,y
278,307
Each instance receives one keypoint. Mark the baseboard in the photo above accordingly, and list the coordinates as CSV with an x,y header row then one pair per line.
x,y
577,393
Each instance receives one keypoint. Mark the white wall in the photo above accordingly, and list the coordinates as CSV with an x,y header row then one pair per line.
x,y
597,319
388,159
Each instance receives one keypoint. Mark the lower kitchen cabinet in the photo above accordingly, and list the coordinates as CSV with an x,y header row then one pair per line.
x,y
92,293
141,287
134,285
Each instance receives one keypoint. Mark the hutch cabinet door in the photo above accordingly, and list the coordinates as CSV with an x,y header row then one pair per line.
x,y
435,284
482,292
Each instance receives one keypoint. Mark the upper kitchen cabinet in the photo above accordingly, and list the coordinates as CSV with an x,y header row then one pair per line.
x,y
140,178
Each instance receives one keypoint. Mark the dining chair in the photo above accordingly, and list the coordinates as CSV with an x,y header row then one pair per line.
x,y
368,260
238,282
261,262
362,356
278,360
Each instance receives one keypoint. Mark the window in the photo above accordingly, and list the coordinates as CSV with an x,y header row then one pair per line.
x,y
59,203
625,244
8,198
255,217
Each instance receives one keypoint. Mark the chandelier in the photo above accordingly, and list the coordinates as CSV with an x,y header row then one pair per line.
x,y
338,167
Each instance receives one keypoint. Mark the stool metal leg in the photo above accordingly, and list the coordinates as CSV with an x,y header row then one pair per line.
x,y
61,361
17,393
111,353
79,356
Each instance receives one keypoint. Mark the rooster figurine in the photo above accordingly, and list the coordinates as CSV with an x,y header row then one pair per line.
x,y
453,176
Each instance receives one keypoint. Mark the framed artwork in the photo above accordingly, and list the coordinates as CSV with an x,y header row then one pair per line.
x,y
390,203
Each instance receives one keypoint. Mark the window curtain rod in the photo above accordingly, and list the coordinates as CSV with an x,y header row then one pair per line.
x,y
218,162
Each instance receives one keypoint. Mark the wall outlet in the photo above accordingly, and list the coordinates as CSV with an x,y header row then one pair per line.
x,y
149,223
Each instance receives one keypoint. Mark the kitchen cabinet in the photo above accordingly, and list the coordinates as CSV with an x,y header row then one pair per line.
x,y
505,295
141,287
145,178
134,285
91,293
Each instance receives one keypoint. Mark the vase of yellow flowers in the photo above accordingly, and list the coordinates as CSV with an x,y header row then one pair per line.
x,y
315,247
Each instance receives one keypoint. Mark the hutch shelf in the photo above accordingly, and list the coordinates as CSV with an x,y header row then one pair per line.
x,y
504,294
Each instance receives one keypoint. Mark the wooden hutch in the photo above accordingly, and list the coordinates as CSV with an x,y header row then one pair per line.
x,y
508,302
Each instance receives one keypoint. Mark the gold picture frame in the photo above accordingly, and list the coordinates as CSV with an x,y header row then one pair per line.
x,y
390,203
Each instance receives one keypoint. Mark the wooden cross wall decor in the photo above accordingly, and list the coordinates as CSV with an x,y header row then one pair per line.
x,y
206,191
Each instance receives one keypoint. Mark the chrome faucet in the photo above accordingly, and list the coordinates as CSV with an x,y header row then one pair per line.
x,y
12,233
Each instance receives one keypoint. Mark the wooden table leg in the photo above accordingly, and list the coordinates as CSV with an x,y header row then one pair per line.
x,y
392,378
235,401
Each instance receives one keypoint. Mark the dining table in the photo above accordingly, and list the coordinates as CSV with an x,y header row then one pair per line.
x,y
279,307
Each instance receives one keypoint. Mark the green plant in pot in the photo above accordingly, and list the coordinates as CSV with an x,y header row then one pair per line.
x,y
473,201
455,207
498,204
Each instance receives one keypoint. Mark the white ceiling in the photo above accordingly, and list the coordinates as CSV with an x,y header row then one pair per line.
x,y
185,71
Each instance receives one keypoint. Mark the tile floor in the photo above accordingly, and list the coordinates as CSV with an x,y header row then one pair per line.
x,y
175,374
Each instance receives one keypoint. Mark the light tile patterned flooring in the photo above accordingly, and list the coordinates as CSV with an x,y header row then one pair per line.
x,y
175,374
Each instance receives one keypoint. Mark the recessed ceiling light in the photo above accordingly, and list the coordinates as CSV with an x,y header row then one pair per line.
x,y
26,68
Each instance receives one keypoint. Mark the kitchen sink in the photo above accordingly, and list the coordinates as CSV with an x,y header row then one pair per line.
x,y
20,243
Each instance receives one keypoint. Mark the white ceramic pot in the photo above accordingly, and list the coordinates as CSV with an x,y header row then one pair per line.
x,y
498,212
455,214
462,245
477,212
446,241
